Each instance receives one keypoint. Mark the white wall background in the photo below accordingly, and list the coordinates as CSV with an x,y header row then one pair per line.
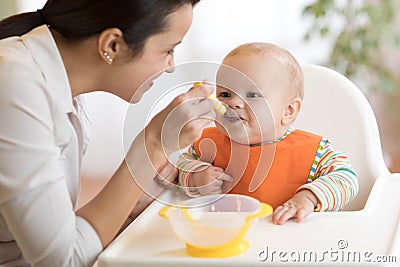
x,y
218,26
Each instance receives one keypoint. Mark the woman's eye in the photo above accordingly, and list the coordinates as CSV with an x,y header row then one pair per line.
x,y
224,94
253,95
170,52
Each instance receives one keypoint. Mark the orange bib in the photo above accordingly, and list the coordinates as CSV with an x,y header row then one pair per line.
x,y
270,173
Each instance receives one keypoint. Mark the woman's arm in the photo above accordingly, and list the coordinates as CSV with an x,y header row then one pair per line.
x,y
109,209
165,179
36,207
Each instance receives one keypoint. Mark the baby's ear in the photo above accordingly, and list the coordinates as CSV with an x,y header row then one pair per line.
x,y
292,110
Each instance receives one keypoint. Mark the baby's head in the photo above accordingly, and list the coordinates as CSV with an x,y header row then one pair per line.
x,y
262,86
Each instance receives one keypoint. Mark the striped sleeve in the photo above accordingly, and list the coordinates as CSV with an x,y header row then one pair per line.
x,y
187,163
332,178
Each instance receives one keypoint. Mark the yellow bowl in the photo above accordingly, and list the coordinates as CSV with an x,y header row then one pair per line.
x,y
215,225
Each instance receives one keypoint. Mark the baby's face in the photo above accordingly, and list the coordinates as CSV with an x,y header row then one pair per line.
x,y
254,90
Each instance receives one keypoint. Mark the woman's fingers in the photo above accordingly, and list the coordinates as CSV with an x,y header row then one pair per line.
x,y
167,176
196,103
183,125
202,90
196,96
181,122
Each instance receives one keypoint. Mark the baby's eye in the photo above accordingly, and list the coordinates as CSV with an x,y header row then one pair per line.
x,y
224,94
253,95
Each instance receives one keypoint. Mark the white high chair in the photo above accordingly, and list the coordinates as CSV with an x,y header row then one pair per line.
x,y
368,232
335,108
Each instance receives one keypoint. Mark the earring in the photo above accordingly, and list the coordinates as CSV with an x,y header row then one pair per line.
x,y
109,60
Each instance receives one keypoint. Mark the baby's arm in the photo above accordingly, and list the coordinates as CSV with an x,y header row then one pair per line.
x,y
331,187
198,177
335,182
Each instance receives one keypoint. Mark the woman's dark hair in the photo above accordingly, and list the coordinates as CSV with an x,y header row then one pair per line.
x,y
76,20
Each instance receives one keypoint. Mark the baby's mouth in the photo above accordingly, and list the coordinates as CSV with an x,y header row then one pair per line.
x,y
231,116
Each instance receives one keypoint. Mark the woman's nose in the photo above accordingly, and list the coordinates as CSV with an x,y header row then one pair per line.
x,y
171,65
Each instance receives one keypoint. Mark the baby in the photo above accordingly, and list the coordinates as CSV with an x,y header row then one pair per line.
x,y
255,151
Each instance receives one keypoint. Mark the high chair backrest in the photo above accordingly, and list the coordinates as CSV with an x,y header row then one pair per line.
x,y
335,108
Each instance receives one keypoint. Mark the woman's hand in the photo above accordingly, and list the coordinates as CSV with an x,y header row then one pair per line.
x,y
299,206
167,176
181,122
176,126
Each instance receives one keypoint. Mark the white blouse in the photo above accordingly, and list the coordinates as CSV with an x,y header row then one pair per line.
x,y
42,140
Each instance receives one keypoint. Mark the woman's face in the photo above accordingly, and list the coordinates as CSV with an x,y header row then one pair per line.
x,y
133,79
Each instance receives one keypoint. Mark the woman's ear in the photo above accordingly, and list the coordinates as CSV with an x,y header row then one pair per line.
x,y
110,44
292,110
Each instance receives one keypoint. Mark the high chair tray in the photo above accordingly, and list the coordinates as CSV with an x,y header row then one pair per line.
x,y
369,237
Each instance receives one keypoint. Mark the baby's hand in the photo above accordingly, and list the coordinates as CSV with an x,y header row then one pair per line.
x,y
209,180
299,206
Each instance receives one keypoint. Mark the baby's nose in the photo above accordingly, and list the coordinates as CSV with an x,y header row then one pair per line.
x,y
235,102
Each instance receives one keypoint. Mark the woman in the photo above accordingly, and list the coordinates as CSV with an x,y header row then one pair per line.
x,y
47,59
